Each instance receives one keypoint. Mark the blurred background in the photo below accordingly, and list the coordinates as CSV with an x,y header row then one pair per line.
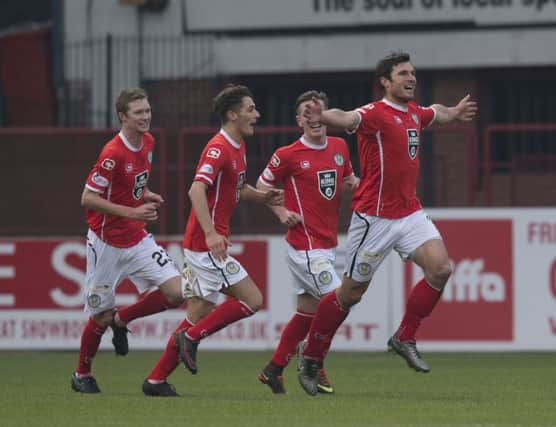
x,y
63,63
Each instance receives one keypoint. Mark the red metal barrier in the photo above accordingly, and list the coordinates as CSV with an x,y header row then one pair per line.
x,y
47,167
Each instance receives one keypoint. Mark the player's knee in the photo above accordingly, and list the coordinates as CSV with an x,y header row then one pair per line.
x,y
104,318
174,299
172,291
349,296
439,275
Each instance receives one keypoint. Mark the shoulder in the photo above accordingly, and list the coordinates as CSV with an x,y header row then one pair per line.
x,y
336,141
148,138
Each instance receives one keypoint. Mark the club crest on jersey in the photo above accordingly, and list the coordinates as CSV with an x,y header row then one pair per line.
x,y
128,167
398,120
415,118
339,159
327,183
412,143
213,153
140,184
305,164
150,156
108,164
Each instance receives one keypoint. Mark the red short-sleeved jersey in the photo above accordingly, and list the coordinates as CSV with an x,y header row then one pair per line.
x,y
311,176
120,175
388,138
222,167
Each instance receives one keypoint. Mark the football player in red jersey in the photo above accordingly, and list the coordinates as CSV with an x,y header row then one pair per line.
x,y
386,211
313,171
219,184
118,202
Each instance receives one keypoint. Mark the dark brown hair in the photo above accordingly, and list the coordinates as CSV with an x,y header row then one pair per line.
x,y
386,64
230,98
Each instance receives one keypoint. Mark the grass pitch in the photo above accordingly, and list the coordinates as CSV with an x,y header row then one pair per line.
x,y
469,389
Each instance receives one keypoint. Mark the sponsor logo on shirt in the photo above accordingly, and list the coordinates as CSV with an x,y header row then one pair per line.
x,y
275,161
327,183
108,164
240,183
412,143
214,153
140,184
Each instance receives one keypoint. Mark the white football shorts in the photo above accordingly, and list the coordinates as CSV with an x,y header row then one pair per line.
x,y
207,276
146,264
313,270
371,238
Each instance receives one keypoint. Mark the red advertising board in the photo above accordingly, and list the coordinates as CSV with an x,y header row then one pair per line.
x,y
477,303
49,274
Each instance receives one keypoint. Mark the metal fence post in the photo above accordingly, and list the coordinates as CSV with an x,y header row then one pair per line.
x,y
108,122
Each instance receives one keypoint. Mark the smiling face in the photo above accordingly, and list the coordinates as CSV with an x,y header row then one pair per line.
x,y
315,133
400,87
137,118
245,117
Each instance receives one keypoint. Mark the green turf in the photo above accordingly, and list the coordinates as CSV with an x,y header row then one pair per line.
x,y
493,389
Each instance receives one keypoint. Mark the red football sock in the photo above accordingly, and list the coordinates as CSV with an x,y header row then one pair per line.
x,y
226,313
170,358
421,301
295,330
150,303
90,340
328,318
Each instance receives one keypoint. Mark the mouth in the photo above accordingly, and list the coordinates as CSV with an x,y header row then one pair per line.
x,y
315,126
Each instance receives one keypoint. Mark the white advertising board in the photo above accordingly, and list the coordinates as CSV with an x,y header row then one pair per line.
x,y
501,295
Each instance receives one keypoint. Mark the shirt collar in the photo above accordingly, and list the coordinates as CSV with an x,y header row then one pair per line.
x,y
128,144
313,146
230,139
394,105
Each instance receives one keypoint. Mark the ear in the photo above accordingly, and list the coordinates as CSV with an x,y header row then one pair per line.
x,y
122,116
298,120
231,115
384,81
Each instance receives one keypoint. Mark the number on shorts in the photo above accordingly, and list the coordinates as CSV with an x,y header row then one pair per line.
x,y
161,257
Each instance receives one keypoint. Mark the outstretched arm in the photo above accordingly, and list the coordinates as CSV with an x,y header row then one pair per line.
x,y
334,117
464,111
